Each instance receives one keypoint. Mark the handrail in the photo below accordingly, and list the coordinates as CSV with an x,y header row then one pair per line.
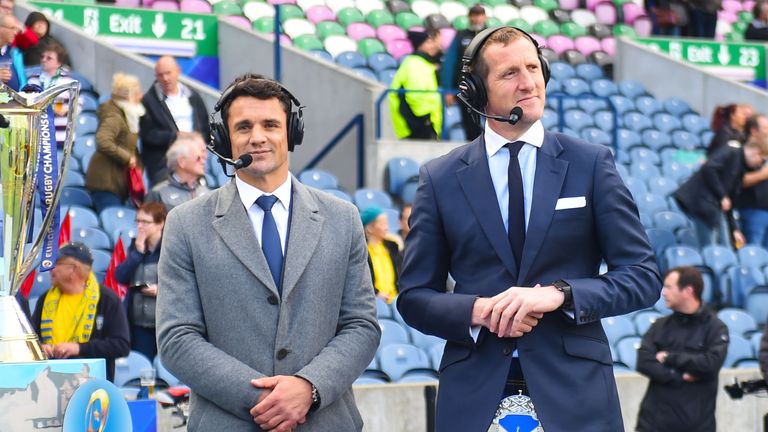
x,y
277,50
356,121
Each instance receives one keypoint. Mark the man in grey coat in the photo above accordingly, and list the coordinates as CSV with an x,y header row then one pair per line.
x,y
265,311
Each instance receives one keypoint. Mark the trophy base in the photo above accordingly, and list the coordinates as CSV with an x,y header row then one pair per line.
x,y
18,340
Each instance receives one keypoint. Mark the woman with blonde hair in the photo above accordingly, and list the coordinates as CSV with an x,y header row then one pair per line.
x,y
116,137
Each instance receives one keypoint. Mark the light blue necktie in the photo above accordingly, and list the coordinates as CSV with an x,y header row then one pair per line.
x,y
270,239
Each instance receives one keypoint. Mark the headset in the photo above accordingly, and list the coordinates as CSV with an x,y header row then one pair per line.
x,y
220,144
472,92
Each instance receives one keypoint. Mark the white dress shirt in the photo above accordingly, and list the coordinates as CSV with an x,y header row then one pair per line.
x,y
181,109
280,211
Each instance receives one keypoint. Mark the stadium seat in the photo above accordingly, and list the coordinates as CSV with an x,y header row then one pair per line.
x,y
757,304
661,306
666,122
367,6
644,320
435,353
663,186
265,24
648,105
631,89
73,178
738,349
670,220
381,61
596,136
424,341
101,259
82,217
719,258
589,72
738,321
163,373
677,256
382,309
172,6
254,10
319,13
753,256
41,285
645,155
676,106
127,235
605,88
559,43
366,73
294,27
338,5
93,237
755,339
398,358
419,377
319,179
398,172
339,194
128,369
369,46
677,171
636,187
577,119
117,218
392,332
618,327
78,196
329,28
626,350
660,240
637,121
350,59
310,42
628,138
686,140
562,71
390,32
695,123
335,45
740,281
372,197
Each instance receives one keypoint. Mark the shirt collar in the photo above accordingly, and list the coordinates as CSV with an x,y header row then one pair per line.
x,y
249,194
533,136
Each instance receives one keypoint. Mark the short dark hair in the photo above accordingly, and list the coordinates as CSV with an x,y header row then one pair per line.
x,y
689,276
55,47
751,123
502,36
155,209
258,86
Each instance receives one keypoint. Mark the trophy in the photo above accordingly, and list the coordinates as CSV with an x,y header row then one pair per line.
x,y
29,173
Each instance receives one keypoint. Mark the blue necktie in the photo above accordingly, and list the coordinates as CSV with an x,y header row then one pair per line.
x,y
516,228
270,239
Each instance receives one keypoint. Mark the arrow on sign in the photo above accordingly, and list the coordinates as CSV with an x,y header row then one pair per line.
x,y
159,27
723,56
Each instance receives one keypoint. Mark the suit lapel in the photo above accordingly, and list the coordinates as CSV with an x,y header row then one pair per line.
x,y
303,237
550,174
234,227
475,181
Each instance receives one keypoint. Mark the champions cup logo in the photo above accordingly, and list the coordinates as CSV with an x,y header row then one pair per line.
x,y
97,411
47,263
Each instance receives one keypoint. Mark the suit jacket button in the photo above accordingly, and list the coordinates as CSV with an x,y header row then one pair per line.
x,y
506,351
282,353
272,299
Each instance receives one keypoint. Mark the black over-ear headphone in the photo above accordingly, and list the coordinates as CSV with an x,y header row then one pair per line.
x,y
220,143
472,86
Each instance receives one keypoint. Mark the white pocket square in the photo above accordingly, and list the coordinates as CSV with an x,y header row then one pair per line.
x,y
571,203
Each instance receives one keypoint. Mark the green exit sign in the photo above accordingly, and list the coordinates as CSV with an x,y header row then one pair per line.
x,y
143,31
743,61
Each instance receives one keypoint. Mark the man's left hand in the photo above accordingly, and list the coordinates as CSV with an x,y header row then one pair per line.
x,y
66,350
285,405
689,378
511,310
661,356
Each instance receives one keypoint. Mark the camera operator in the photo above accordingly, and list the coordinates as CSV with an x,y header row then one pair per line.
x,y
682,354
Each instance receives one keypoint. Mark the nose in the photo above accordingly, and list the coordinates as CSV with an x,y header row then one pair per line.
x,y
527,80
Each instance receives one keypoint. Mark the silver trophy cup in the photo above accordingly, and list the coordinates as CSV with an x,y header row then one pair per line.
x,y
24,124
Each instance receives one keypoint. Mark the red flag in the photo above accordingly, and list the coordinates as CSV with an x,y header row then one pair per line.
x,y
118,256
26,286
65,230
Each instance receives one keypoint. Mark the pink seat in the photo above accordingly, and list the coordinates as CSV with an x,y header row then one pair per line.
x,y
631,12
446,36
399,48
390,32
128,3
643,26
559,43
587,45
569,4
733,6
609,45
274,2
727,16
165,5
748,5
316,14
591,4
360,30
605,13
284,39
539,39
195,6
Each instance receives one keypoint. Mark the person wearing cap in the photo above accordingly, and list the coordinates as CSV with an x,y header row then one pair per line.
x,y
417,112
451,71
77,318
384,258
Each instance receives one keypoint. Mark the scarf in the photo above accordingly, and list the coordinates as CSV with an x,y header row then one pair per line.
x,y
86,312
132,111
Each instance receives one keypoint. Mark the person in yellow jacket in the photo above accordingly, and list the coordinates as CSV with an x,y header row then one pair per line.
x,y
418,114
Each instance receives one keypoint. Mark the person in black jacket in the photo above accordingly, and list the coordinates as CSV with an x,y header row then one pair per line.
x,y
682,355
753,201
728,124
384,258
758,28
711,191
173,110
63,317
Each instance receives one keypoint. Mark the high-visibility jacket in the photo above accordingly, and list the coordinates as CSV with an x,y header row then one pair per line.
x,y
416,73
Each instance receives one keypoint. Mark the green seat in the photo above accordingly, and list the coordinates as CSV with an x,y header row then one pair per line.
x,y
745,16
349,15
288,11
521,24
493,22
227,8
461,22
739,26
493,2
406,20
378,17
546,28
572,30
547,5
734,37
264,24
307,42
620,3
370,46
624,30
324,29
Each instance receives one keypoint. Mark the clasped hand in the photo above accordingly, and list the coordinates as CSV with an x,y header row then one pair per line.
x,y
517,310
283,404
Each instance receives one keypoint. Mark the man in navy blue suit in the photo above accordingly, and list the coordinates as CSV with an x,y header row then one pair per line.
x,y
524,238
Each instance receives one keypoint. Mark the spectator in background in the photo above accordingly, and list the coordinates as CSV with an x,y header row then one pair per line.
x,y
753,200
139,272
37,27
173,110
418,114
682,355
384,258
64,317
707,197
703,18
758,28
11,59
116,136
728,124
452,71
53,72
405,214
6,7
186,162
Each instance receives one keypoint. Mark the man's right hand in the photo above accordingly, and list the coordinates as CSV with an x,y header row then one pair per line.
x,y
5,75
48,350
481,316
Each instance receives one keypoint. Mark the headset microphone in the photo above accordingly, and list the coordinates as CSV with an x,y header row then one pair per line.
x,y
514,116
241,162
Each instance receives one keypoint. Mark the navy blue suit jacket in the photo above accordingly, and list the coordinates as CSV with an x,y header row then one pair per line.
x,y
456,228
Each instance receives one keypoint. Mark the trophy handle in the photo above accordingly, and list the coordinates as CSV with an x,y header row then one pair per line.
x,y
41,101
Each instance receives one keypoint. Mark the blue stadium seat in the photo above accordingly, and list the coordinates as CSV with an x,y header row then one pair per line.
x,y
648,105
719,258
577,119
127,235
87,123
662,186
101,259
596,136
757,305
117,219
738,349
93,237
163,373
655,139
435,353
644,170
661,306
318,178
85,83
637,187
604,119
604,87
676,106
591,105
561,71
81,217
686,140
364,380
41,285
419,377
382,309
128,369
687,237
738,321
339,194
550,119
372,197
381,61
392,333
677,256
456,133
322,55
755,339
631,89
666,122
622,104
71,195
73,178
637,121
623,172
628,139
399,171
618,327
753,256
90,102
365,72
398,358
409,192
706,136
740,281
424,341
695,123
645,155
676,171
452,116
651,203
644,320
350,59
393,220
626,350
576,86
660,239
589,71
386,76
